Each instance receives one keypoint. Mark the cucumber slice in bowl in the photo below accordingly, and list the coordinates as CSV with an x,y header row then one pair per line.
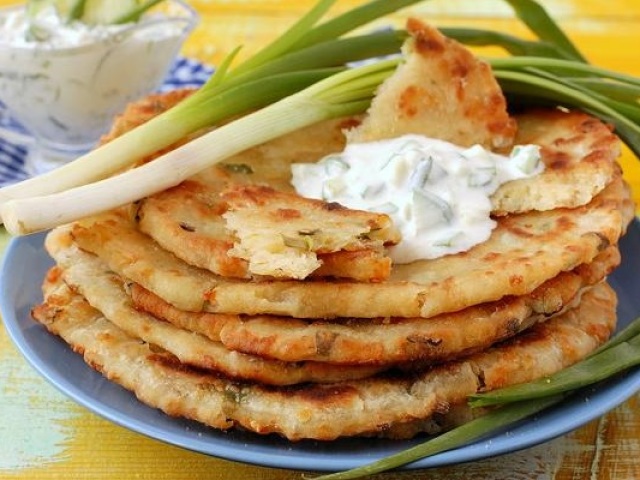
x,y
93,12
34,7
67,10
108,12
70,10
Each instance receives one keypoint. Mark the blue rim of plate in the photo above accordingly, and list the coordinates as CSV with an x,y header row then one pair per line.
x,y
22,271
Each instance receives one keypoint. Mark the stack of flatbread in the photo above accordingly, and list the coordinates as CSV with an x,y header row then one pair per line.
x,y
231,300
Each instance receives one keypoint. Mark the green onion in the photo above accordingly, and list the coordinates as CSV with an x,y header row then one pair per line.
x,y
464,434
284,43
536,87
627,334
617,355
566,66
617,91
539,22
335,52
341,94
348,21
513,45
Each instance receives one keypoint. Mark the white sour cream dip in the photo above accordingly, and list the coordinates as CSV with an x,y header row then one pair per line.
x,y
48,31
66,81
438,194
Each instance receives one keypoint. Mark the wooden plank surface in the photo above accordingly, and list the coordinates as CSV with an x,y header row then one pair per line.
x,y
45,436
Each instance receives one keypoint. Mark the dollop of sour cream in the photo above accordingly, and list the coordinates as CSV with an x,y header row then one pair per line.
x,y
438,194
48,31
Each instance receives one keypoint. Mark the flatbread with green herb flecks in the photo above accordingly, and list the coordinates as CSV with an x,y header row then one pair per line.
x,y
106,292
396,406
283,235
441,90
382,341
522,253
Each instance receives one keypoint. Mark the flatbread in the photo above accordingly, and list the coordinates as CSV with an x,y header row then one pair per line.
x,y
579,153
301,358
522,253
386,340
378,405
441,90
105,291
187,219
282,235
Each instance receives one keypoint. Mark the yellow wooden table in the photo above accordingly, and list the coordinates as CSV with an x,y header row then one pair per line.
x,y
44,436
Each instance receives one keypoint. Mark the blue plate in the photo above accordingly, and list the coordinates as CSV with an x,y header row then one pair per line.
x,y
22,271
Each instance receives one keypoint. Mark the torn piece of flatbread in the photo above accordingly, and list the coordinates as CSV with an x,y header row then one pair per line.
x,y
441,90
579,153
400,405
283,235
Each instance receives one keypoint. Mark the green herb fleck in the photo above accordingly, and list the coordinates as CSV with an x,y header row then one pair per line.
x,y
242,168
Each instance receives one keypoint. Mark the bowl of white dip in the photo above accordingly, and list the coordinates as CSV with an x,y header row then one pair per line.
x,y
66,85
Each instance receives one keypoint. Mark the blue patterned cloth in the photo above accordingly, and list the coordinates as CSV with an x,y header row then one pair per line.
x,y
15,140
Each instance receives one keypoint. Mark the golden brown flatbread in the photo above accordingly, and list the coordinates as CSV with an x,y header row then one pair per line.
x,y
105,291
441,90
382,341
377,405
579,153
223,357
283,235
522,253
